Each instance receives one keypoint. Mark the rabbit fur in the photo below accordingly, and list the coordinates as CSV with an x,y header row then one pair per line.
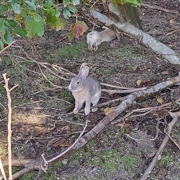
x,y
85,89
95,38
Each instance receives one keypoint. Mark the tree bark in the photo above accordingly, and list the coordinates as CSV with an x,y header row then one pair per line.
x,y
131,15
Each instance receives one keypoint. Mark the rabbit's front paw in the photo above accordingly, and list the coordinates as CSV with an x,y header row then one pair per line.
x,y
75,111
87,111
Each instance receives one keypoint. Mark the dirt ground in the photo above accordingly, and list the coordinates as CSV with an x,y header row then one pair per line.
x,y
42,118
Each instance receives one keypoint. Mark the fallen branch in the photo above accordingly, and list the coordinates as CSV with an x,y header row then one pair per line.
x,y
175,116
147,40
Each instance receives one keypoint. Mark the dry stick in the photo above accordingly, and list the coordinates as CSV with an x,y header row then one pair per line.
x,y
147,40
159,8
2,170
114,86
173,140
9,123
175,116
7,47
23,162
108,102
172,32
23,171
42,64
69,148
122,91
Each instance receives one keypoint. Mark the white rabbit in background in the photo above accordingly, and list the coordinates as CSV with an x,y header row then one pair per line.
x,y
95,38
85,89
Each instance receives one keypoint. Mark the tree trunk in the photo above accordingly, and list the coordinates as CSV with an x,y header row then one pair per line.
x,y
131,15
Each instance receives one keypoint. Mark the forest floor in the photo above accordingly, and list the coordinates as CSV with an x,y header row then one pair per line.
x,y
42,122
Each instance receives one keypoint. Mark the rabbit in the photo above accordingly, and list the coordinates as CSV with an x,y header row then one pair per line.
x,y
85,89
95,38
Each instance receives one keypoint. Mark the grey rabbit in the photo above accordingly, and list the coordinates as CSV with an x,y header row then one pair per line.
x,y
85,89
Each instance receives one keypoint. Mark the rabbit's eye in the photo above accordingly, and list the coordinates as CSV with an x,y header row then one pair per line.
x,y
77,82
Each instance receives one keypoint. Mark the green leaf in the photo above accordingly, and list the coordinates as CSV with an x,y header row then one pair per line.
x,y
7,37
133,2
57,12
35,28
31,5
4,7
37,17
1,25
60,25
50,2
13,1
66,13
20,31
72,9
66,2
6,23
12,23
71,34
16,8
51,19
1,44
76,2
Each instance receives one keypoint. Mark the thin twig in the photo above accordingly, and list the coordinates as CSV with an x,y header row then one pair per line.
x,y
108,102
9,123
160,8
172,140
114,86
2,170
127,91
7,47
45,162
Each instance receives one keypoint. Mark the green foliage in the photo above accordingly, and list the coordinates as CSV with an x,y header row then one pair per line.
x,y
166,159
29,176
71,51
2,90
121,2
30,17
129,161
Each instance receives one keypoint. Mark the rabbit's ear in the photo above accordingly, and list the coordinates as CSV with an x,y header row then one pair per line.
x,y
84,71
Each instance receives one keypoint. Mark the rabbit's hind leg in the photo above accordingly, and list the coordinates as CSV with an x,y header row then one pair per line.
x,y
95,101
